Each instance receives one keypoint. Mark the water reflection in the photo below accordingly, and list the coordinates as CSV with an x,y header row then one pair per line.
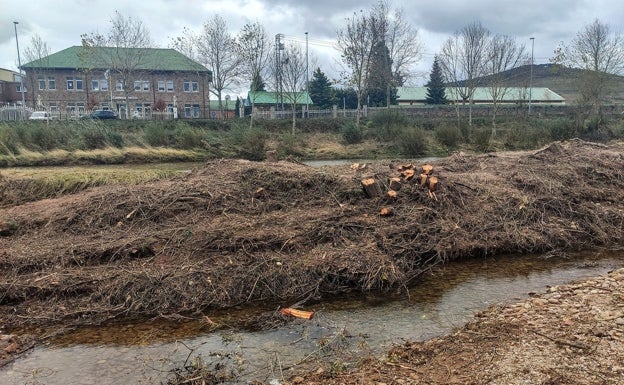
x,y
445,299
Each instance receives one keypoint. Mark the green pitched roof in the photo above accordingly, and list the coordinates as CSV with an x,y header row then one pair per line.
x,y
483,94
269,97
154,59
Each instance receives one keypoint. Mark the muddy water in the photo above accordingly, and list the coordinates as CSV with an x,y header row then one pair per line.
x,y
341,331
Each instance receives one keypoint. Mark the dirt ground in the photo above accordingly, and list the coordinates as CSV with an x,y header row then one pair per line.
x,y
235,232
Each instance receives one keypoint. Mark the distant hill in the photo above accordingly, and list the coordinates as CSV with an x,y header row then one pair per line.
x,y
562,80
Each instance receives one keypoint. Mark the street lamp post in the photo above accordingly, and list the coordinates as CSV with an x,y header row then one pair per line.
x,y
307,80
19,64
531,79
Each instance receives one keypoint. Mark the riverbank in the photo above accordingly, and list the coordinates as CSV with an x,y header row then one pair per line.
x,y
233,233
572,334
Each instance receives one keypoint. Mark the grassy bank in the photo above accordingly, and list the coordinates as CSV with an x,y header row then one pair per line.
x,y
386,134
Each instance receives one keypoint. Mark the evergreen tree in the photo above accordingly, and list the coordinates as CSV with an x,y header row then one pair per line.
x,y
436,93
258,83
321,91
346,98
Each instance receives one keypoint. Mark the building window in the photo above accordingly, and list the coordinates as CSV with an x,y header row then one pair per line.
x,y
53,107
119,85
141,85
187,110
161,86
169,85
104,85
95,85
42,83
70,85
79,84
170,108
191,86
51,83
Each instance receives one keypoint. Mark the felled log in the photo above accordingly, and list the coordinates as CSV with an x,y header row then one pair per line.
x,y
391,195
297,313
386,211
394,184
371,187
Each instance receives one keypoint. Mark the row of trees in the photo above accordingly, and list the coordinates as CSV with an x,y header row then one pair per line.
x,y
378,48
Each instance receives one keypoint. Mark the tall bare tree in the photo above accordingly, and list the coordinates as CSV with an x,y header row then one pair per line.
x,y
294,67
599,51
254,49
402,41
122,50
38,51
217,50
503,53
462,60
356,42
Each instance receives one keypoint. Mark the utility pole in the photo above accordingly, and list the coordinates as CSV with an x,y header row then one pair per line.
x,y
19,64
307,80
531,79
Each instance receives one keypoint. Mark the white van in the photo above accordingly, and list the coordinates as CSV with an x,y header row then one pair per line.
x,y
40,115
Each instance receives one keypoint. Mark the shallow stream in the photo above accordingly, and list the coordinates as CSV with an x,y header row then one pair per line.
x,y
341,332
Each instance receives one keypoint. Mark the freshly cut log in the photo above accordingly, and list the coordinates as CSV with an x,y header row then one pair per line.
x,y
297,313
427,169
395,184
371,187
423,179
386,211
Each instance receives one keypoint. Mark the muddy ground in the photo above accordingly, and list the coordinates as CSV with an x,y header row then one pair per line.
x,y
235,232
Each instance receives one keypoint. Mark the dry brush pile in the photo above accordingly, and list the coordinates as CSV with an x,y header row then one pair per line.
x,y
236,232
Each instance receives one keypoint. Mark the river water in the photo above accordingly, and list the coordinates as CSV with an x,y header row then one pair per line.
x,y
342,330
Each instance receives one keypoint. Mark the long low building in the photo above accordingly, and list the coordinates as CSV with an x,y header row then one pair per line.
x,y
409,96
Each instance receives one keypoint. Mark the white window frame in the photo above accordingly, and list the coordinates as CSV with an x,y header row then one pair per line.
x,y
51,83
95,85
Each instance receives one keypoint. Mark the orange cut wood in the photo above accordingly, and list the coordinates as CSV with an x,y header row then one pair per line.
x,y
395,184
427,169
433,182
386,211
391,195
407,174
297,313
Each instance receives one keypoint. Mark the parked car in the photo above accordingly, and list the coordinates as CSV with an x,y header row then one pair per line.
x,y
40,115
101,114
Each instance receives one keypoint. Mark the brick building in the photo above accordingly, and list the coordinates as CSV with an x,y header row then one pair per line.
x,y
134,82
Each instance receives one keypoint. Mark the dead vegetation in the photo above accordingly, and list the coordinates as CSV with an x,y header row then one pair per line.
x,y
208,240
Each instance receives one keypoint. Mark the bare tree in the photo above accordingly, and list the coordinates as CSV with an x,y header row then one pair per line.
x,y
462,59
599,51
122,51
503,53
293,77
217,50
254,49
38,52
402,41
356,41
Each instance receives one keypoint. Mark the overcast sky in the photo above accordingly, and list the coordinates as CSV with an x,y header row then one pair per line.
x,y
60,23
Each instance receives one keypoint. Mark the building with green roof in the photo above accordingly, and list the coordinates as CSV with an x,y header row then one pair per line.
x,y
483,95
132,81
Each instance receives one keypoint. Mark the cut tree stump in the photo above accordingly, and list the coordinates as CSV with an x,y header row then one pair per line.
x,y
407,174
371,187
391,195
394,184
386,211
427,169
